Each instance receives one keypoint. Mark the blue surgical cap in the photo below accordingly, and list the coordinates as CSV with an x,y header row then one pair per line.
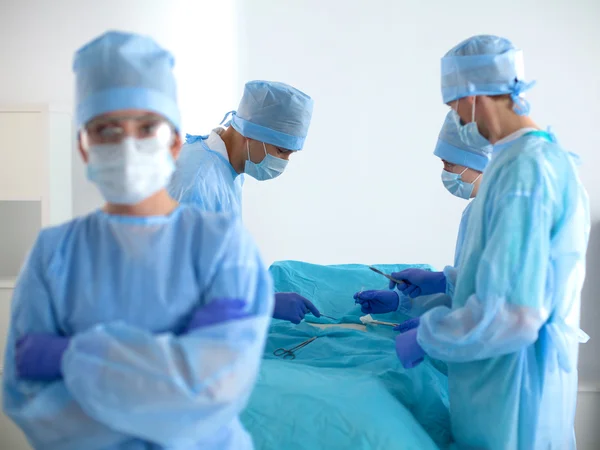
x,y
451,148
274,113
485,65
124,71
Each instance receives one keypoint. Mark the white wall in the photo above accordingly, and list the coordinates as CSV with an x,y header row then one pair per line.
x,y
366,188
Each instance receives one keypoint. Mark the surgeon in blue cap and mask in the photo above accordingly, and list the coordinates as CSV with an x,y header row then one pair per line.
x,y
270,125
511,336
461,176
140,325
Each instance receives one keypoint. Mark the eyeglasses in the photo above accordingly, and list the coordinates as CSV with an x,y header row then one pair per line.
x,y
113,129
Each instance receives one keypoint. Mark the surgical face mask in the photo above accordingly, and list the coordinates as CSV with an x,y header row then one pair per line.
x,y
270,167
130,171
469,133
456,186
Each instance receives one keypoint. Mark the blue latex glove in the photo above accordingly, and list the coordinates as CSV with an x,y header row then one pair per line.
x,y
293,307
419,282
217,311
38,356
408,349
377,302
408,325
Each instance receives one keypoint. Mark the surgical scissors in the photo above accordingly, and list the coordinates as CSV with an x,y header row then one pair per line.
x,y
289,354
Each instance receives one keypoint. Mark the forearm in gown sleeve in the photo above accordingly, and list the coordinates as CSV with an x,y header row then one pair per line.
x,y
508,307
176,391
416,307
45,411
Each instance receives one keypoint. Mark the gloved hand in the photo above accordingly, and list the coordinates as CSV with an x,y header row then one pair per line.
x,y
38,356
408,325
408,349
293,307
217,311
377,302
420,282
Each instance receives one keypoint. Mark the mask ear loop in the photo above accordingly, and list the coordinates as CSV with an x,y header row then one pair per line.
x,y
457,118
456,110
473,110
475,180
248,150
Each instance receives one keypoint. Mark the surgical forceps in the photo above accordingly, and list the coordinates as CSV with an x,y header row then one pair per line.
x,y
389,277
329,317
289,354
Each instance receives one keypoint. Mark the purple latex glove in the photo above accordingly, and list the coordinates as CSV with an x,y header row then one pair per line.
x,y
408,325
38,356
293,307
419,282
408,349
377,302
217,311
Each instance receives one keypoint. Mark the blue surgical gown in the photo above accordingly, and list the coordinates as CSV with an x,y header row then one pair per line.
x,y
123,288
205,178
420,305
462,232
511,338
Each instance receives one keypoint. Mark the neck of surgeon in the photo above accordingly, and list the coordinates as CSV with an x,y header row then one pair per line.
x,y
235,144
498,118
158,204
